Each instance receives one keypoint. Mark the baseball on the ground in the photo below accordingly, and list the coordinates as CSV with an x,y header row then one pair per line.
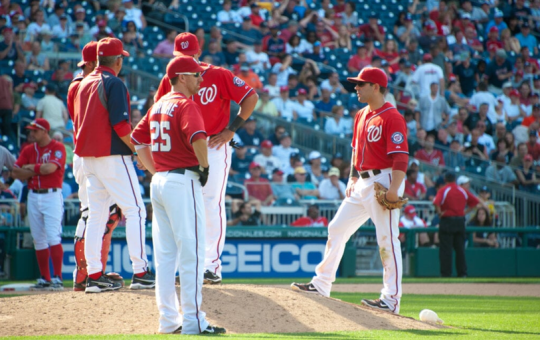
x,y
430,316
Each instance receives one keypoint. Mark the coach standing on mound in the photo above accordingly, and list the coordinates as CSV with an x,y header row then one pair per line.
x,y
218,88
379,156
102,122
174,129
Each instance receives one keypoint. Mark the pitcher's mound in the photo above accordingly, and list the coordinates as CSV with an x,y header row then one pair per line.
x,y
239,308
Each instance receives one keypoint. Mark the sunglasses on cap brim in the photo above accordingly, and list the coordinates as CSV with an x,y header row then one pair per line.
x,y
195,74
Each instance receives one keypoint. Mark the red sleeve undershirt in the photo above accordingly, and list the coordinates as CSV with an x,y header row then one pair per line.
x,y
123,128
400,161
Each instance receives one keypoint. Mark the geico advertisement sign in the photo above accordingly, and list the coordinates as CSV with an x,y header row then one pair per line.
x,y
271,258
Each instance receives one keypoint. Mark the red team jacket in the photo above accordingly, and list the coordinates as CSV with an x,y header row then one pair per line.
x,y
376,134
54,152
170,127
218,88
72,93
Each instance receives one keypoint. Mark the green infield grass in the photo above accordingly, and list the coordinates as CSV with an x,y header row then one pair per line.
x,y
468,317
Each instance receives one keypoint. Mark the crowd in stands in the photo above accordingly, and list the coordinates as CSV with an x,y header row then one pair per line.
x,y
465,74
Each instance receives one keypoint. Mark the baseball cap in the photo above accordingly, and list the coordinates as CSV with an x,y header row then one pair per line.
x,y
427,57
384,63
300,170
466,16
532,133
525,25
285,135
244,67
183,64
519,73
333,171
253,5
410,210
101,23
371,75
277,172
514,93
373,15
507,84
89,53
494,29
246,19
39,124
462,180
266,144
6,29
294,155
501,53
314,155
186,44
338,155
414,161
536,77
29,85
498,14
484,189
528,157
317,43
254,165
109,47
80,10
301,91
283,88
408,17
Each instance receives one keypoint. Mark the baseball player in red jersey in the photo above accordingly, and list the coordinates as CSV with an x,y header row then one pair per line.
x,y
218,88
42,164
173,129
380,153
87,65
102,122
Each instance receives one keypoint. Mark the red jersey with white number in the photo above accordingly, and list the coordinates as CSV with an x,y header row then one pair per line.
x,y
376,135
169,127
55,153
218,88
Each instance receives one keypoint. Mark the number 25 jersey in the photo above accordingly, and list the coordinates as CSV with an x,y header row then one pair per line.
x,y
170,127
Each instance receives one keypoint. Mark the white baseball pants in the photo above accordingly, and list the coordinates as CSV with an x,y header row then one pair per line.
x,y
45,213
352,214
113,177
179,239
214,202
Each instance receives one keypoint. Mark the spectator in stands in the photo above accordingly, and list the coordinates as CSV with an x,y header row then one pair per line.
x,y
432,109
525,38
337,125
297,46
485,138
6,106
217,57
28,100
273,45
247,34
305,189
245,216
350,16
481,116
257,59
10,49
325,104
410,220
482,218
417,143
47,45
372,29
37,60
34,29
304,108
240,161
227,15
502,149
313,218
272,87
533,146
251,78
498,72
501,173
231,52
325,34
429,35
454,158
265,105
283,69
513,111
136,117
408,31
332,188
59,137
314,168
467,74
294,86
284,150
134,14
493,42
427,74
62,30
258,188
285,106
19,78
428,154
527,176
412,53
294,162
166,47
500,132
522,150
80,19
266,160
249,134
359,60
413,189
333,84
283,192
52,109
116,22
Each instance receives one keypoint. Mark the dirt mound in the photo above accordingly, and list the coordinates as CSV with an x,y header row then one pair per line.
x,y
239,308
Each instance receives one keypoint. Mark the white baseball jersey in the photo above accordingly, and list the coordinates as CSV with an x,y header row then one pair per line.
x,y
425,75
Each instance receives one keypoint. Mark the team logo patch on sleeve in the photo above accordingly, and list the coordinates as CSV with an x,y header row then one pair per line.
x,y
238,82
58,154
397,138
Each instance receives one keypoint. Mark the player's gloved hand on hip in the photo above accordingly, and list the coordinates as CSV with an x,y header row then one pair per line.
x,y
203,175
220,139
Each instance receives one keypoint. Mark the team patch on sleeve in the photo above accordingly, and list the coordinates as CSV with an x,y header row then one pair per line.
x,y
238,82
58,154
397,138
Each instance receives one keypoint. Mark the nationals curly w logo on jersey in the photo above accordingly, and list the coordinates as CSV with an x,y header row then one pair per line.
x,y
374,133
207,94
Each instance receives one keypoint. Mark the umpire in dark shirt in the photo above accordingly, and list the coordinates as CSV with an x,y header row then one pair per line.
x,y
450,202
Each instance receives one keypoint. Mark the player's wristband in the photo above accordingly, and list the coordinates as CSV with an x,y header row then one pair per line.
x,y
236,124
135,154
37,168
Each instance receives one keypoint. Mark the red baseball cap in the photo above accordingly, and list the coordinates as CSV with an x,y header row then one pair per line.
x,y
410,210
186,44
301,91
371,75
494,29
528,157
254,165
283,88
39,124
108,47
29,85
266,144
89,53
514,93
519,73
183,64
427,57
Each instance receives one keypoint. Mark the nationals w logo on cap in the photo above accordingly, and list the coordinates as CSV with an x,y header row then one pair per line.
x,y
184,44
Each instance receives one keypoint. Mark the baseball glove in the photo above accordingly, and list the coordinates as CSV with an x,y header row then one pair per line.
x,y
380,195
115,277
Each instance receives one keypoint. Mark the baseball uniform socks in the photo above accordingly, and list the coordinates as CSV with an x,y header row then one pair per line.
x,y
43,263
57,254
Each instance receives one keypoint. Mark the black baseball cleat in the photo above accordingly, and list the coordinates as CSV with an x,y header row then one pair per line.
x,y
211,278
305,287
377,304
102,284
148,281
176,331
42,285
214,330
